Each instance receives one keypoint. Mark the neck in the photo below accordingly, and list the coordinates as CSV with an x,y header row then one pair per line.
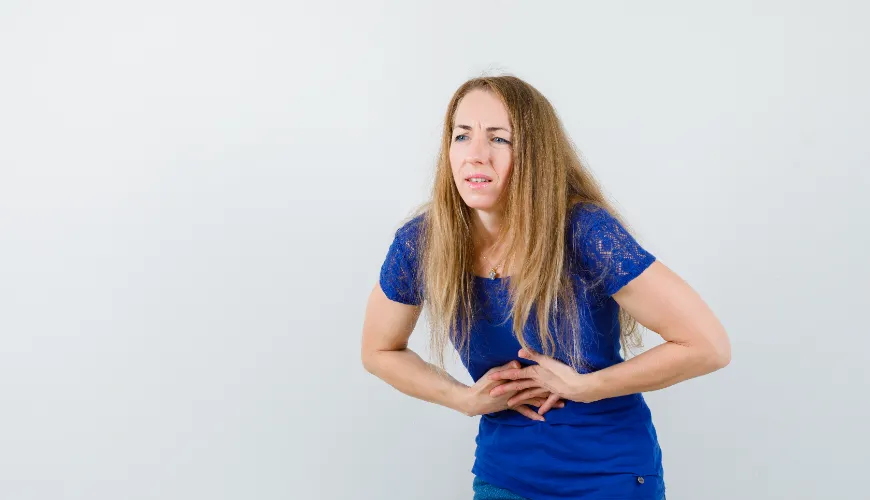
x,y
485,228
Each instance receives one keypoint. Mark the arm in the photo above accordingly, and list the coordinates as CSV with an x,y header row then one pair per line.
x,y
696,342
385,354
387,327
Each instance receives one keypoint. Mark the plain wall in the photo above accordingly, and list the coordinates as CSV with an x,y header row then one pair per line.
x,y
196,199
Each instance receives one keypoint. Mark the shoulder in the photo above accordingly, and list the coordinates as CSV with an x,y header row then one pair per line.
x,y
604,248
582,219
410,228
409,231
406,239
584,216
399,276
598,234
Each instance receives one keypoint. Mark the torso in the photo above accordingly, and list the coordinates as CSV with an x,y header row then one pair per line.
x,y
584,450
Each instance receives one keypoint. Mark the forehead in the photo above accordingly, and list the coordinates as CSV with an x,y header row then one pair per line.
x,y
480,106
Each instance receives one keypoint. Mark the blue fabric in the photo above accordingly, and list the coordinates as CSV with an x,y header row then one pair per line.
x,y
486,491
605,449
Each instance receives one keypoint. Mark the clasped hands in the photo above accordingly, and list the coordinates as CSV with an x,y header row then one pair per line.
x,y
545,385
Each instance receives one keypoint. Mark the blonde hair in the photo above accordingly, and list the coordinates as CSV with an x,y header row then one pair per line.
x,y
547,179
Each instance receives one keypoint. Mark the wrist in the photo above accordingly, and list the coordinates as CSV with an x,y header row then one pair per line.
x,y
461,400
586,388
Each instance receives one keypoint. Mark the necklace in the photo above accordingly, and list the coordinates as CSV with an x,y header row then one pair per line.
x,y
494,270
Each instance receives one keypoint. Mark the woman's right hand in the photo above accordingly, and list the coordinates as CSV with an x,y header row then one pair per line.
x,y
478,400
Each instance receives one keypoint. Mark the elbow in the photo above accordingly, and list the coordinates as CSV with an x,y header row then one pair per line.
x,y
371,361
720,360
368,360
718,355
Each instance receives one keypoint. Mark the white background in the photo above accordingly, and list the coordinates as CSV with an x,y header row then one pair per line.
x,y
196,198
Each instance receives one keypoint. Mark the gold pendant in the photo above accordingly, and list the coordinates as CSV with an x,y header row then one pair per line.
x,y
492,273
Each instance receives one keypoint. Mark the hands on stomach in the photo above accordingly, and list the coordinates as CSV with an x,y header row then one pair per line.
x,y
479,399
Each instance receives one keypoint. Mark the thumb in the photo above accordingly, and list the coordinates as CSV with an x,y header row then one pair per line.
x,y
511,364
506,366
527,354
541,359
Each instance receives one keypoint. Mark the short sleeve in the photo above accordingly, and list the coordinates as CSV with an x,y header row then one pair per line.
x,y
399,273
608,252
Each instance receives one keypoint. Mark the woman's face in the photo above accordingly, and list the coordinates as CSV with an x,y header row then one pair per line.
x,y
481,147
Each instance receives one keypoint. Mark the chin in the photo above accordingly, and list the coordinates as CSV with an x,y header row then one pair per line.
x,y
481,204
479,201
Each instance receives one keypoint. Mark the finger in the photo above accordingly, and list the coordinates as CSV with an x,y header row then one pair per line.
x,y
527,393
512,386
525,410
514,373
557,405
539,403
489,383
552,400
545,362
526,354
511,364
533,392
536,402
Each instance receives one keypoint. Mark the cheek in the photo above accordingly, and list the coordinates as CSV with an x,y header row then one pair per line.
x,y
504,167
455,163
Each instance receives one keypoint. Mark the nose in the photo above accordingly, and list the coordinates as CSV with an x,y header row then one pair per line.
x,y
478,149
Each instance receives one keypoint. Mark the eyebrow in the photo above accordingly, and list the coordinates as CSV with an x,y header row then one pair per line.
x,y
488,129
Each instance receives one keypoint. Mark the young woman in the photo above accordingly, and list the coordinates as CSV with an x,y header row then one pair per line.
x,y
528,271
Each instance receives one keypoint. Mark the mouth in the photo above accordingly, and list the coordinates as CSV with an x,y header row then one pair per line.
x,y
478,182
478,179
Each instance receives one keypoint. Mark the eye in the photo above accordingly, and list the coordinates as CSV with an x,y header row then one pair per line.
x,y
459,137
503,141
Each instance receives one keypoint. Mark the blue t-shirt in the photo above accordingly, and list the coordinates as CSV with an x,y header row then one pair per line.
x,y
602,450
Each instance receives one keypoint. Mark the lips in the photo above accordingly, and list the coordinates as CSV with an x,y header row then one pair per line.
x,y
482,176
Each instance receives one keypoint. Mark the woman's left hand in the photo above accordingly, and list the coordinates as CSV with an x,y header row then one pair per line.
x,y
562,381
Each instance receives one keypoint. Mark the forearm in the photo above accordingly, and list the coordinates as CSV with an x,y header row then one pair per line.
x,y
657,368
410,374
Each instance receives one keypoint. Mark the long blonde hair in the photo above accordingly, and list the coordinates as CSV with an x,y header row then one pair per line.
x,y
547,178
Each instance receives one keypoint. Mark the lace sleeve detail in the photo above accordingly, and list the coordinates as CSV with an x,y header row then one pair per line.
x,y
399,272
610,256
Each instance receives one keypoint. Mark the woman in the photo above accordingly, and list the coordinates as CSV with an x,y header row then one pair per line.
x,y
527,270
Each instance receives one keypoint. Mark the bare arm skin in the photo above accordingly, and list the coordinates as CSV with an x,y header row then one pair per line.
x,y
386,330
696,344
